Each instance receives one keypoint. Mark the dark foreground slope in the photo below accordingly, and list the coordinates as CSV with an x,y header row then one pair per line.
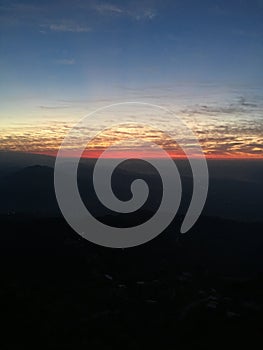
x,y
202,290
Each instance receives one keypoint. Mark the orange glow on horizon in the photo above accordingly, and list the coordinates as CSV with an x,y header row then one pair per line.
x,y
95,154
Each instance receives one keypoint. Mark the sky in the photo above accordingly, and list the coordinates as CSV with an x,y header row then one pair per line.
x,y
61,60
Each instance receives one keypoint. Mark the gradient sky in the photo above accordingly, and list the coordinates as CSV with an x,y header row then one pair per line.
x,y
203,60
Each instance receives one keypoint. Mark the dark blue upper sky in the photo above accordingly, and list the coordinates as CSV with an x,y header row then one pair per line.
x,y
131,42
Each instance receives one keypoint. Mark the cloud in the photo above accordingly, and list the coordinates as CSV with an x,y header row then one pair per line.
x,y
239,107
52,107
69,27
15,14
22,8
47,138
147,14
108,9
67,62
138,14
49,14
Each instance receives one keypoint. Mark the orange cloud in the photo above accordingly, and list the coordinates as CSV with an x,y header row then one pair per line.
x,y
47,138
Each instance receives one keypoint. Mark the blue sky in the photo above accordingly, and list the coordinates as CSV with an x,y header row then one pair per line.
x,y
61,58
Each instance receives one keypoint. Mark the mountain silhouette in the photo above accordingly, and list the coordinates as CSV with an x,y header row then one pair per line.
x,y
29,190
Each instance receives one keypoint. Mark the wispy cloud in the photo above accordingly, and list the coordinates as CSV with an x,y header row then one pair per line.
x,y
15,13
69,27
22,8
53,107
139,13
67,62
147,14
104,8
49,14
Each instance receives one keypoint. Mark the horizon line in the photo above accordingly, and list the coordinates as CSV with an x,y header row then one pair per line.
x,y
97,155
